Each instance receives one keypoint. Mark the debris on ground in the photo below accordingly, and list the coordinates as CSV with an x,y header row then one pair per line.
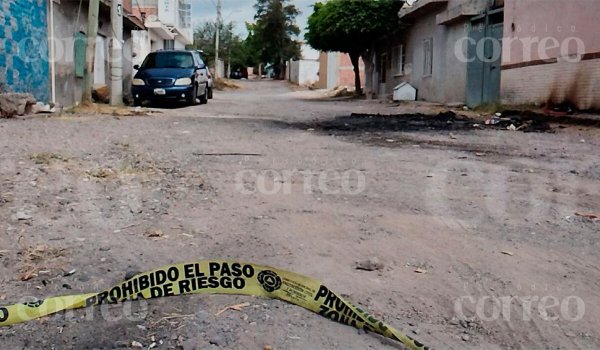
x,y
236,307
526,121
559,110
47,157
590,216
156,234
372,264
222,84
22,216
69,273
16,104
506,252
34,259
101,94
116,111
339,91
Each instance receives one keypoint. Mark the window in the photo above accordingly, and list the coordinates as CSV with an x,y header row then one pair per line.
x,y
169,44
428,57
198,59
398,59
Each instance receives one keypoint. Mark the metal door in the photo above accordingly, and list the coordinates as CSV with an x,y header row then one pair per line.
x,y
485,56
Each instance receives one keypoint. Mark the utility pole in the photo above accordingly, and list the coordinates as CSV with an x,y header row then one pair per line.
x,y
90,52
116,53
230,35
217,40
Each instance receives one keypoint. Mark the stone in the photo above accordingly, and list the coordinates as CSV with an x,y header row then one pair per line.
x,y
13,104
371,264
22,216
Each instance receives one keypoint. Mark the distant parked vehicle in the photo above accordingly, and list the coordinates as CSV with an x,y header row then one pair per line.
x,y
239,74
236,75
171,75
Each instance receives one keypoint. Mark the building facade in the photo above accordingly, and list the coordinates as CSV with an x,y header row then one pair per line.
x,y
168,26
43,43
491,51
70,23
429,50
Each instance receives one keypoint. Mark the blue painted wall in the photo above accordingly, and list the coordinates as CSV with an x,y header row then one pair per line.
x,y
24,47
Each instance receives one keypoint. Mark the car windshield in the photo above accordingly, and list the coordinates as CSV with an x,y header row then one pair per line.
x,y
169,60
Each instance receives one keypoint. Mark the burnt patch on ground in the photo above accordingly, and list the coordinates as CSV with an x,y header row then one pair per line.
x,y
443,122
446,121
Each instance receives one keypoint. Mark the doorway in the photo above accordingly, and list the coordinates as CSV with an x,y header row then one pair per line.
x,y
485,53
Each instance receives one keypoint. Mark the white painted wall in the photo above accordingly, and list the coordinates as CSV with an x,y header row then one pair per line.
x,y
304,72
141,45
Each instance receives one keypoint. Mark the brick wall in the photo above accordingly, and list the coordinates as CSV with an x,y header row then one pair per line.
x,y
577,83
346,71
24,47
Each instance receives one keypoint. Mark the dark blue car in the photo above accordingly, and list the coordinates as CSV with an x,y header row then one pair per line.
x,y
171,75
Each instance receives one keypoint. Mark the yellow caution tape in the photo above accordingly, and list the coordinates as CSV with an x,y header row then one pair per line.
x,y
217,277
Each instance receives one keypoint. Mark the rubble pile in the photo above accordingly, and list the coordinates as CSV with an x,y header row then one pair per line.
x,y
14,104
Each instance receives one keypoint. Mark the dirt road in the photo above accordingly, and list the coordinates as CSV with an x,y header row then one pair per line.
x,y
476,228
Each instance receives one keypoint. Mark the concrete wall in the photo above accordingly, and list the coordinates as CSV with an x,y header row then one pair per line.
x,y
141,45
551,52
303,72
24,47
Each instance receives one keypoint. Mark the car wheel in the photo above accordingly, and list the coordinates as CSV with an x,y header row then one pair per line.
x,y
191,100
210,93
204,98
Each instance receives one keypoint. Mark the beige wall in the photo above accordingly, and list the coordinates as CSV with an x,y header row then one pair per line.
x,y
542,29
541,59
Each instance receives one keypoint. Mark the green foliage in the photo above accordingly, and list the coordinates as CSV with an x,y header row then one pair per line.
x,y
231,46
272,36
351,26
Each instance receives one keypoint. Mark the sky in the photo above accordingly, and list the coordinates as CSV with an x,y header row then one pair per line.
x,y
242,11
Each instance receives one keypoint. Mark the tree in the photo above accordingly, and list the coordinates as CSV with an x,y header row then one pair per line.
x,y
273,33
231,44
352,27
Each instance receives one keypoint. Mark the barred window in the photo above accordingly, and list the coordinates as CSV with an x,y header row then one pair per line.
x,y
428,57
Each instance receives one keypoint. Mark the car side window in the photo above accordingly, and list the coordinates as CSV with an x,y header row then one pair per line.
x,y
196,59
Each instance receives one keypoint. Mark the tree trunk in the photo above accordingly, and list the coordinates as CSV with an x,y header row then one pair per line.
x,y
354,58
369,68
